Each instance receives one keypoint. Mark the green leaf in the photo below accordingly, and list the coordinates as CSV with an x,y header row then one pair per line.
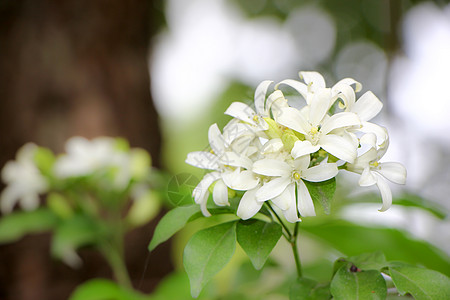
x,y
72,234
14,226
308,289
322,192
351,283
102,289
172,222
44,159
369,261
352,239
416,201
257,238
59,205
144,209
207,252
419,282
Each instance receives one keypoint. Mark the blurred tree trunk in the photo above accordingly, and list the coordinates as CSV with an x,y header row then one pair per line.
x,y
68,68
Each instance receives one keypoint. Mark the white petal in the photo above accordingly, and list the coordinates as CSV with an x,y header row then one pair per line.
x,y
340,120
304,201
242,112
292,118
216,141
296,85
291,213
275,97
272,167
339,147
319,106
321,172
9,197
345,92
235,160
240,180
236,129
302,148
286,199
386,194
367,177
301,163
273,145
248,206
369,139
393,171
220,193
203,160
260,96
350,81
201,190
272,188
29,201
313,79
379,131
367,106
365,159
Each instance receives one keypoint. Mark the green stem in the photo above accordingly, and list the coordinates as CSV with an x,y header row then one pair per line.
x,y
288,232
113,247
117,264
293,242
291,238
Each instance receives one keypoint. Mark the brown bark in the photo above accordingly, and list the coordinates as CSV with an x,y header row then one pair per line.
x,y
68,68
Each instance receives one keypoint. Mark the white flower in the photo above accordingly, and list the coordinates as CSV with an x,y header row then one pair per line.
x,y
85,157
24,181
373,172
229,171
286,175
255,119
317,127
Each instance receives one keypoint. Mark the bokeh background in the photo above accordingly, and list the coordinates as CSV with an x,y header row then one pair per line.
x,y
160,72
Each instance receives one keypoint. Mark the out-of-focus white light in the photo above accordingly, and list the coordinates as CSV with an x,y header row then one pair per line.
x,y
210,41
189,61
420,78
314,33
366,62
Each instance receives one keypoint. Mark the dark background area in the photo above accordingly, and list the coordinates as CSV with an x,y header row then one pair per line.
x,y
76,68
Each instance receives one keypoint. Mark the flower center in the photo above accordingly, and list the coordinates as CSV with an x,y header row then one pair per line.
x,y
374,164
314,135
314,130
296,176
256,118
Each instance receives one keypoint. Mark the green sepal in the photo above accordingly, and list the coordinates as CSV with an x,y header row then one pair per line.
x,y
274,130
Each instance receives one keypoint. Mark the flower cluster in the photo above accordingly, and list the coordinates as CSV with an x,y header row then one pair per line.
x,y
104,162
270,151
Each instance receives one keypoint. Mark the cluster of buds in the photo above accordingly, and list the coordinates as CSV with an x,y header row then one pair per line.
x,y
270,151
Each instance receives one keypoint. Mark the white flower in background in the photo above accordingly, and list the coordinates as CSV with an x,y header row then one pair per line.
x,y
373,172
85,157
24,181
286,175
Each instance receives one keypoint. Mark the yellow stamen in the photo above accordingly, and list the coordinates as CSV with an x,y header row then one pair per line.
x,y
374,164
296,176
314,130
255,118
